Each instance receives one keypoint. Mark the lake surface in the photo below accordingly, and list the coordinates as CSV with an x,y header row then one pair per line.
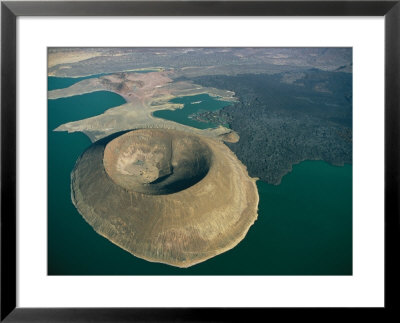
x,y
304,226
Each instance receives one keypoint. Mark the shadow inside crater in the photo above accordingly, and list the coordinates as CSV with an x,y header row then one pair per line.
x,y
188,157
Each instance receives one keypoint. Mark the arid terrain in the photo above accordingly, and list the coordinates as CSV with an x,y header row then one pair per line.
x,y
144,93
192,62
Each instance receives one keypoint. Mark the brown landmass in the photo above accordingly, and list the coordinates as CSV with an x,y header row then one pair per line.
x,y
165,195
144,93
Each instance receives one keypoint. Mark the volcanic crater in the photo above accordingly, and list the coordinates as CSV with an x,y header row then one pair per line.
x,y
157,162
165,195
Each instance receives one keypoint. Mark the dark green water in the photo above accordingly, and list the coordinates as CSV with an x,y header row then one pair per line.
x,y
191,106
304,225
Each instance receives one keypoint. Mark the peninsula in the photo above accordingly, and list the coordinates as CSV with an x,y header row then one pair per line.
x,y
144,93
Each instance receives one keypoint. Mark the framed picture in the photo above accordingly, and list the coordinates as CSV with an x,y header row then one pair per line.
x,y
193,160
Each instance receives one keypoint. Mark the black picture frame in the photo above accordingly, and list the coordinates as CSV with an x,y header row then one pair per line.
x,y
10,10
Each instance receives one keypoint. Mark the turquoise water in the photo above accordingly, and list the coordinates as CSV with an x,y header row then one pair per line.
x,y
304,225
55,83
66,228
192,104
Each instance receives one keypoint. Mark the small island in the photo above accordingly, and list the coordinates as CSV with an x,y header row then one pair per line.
x,y
165,195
